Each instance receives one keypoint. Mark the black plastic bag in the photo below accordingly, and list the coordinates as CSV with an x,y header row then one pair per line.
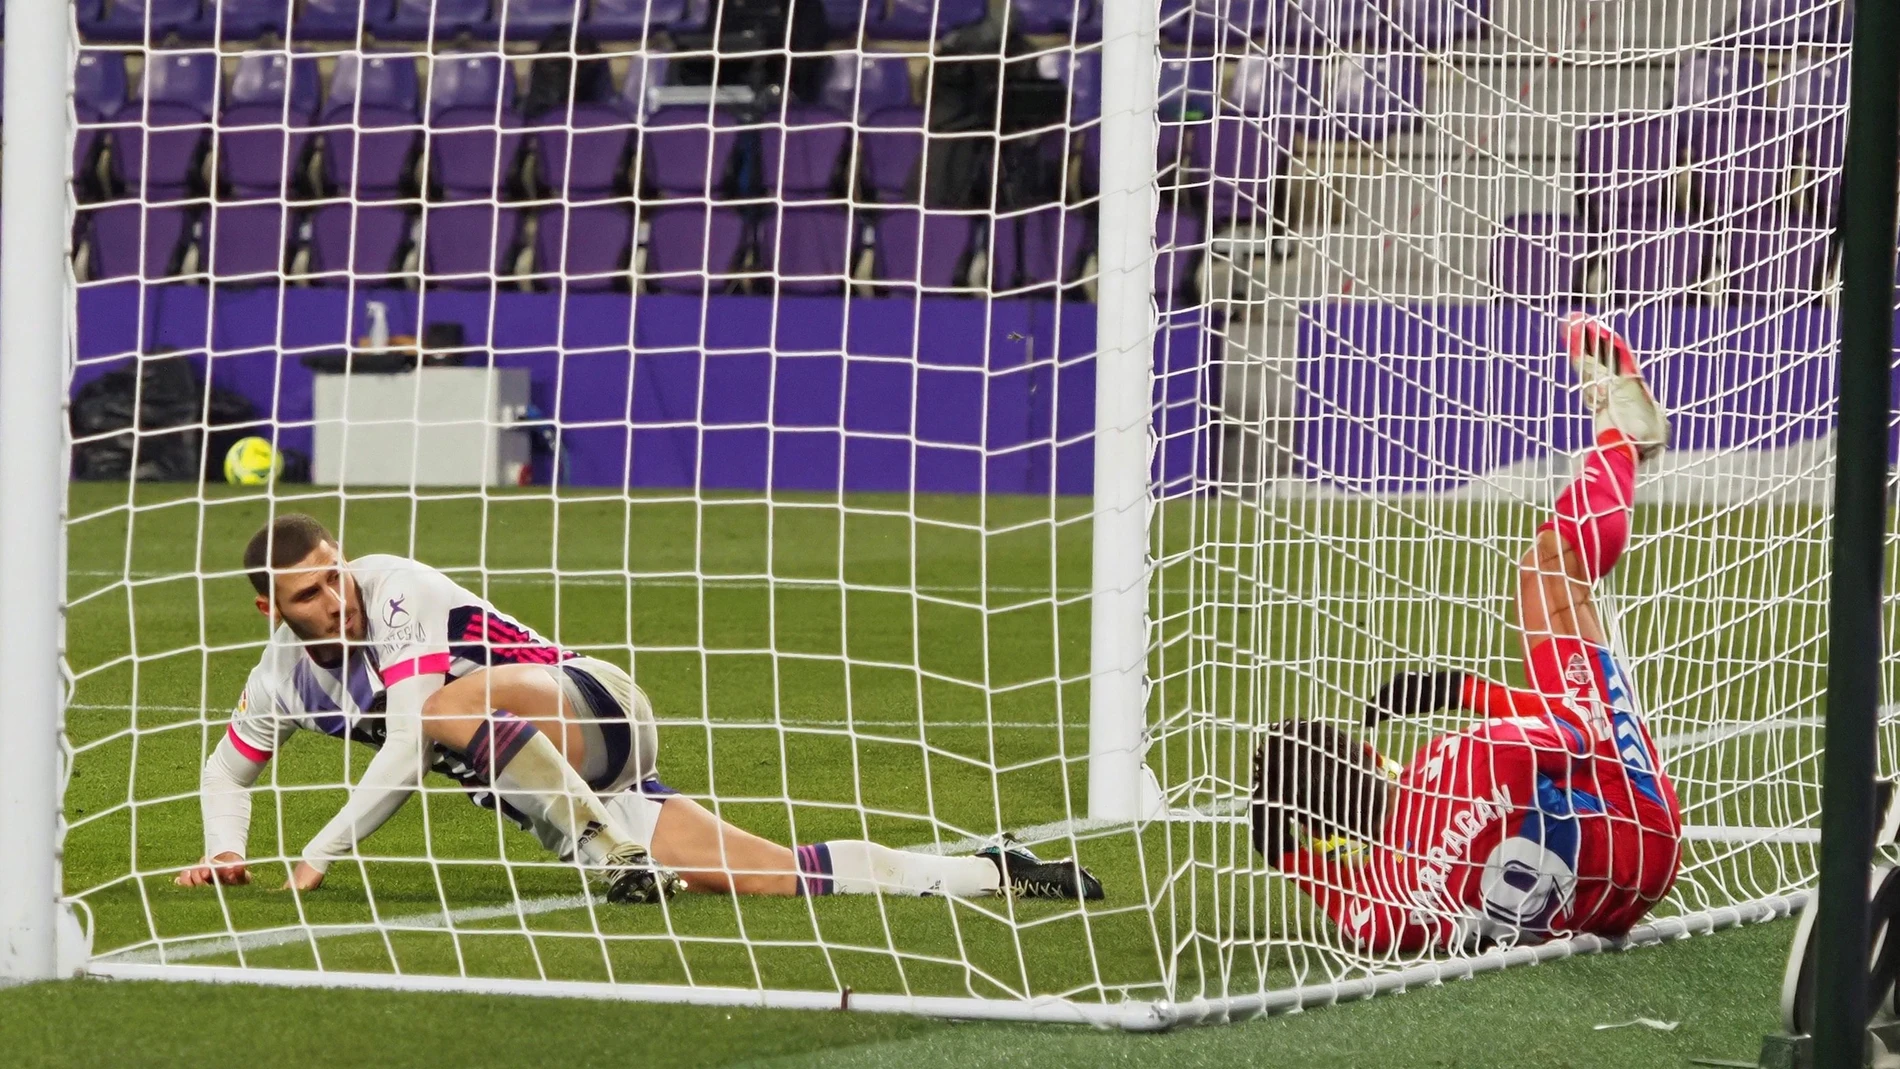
x,y
148,421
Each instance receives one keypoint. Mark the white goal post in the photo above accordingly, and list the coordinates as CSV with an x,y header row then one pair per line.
x,y
1218,387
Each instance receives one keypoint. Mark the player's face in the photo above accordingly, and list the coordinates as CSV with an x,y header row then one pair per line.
x,y
317,598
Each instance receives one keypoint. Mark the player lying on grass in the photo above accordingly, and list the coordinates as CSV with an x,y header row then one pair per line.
x,y
395,654
1552,816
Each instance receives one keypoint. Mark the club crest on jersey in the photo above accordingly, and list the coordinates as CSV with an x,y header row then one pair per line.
x,y
1577,671
395,615
1524,885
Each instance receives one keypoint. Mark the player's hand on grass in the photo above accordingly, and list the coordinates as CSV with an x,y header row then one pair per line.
x,y
227,868
303,878
1415,694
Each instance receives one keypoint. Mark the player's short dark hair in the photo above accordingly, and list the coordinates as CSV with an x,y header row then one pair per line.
x,y
281,543
1321,777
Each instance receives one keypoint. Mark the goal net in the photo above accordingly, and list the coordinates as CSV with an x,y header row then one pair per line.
x,y
960,418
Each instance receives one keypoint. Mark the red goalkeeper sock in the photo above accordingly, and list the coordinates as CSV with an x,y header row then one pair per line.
x,y
1593,512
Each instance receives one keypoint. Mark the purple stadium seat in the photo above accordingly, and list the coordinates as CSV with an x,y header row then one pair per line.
x,y
588,246
1814,97
1245,162
470,81
1536,257
241,20
473,149
1667,260
688,150
162,157
529,20
1081,71
1184,87
1750,171
1427,24
801,159
262,134
415,20
693,247
467,246
1369,98
912,248
924,20
1284,90
473,155
372,105
863,85
630,20
808,248
591,153
132,241
1770,262
248,240
1178,242
1038,249
142,20
1626,167
99,81
1224,25
186,79
844,18
1079,20
889,147
340,20
1780,23
98,95
1715,91
692,243
272,80
1722,79
358,243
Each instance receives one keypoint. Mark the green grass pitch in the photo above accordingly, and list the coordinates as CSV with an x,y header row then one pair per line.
x,y
960,647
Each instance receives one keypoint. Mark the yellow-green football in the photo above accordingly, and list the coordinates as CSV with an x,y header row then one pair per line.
x,y
252,462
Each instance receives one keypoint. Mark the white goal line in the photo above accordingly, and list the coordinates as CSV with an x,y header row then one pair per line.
x,y
1227,811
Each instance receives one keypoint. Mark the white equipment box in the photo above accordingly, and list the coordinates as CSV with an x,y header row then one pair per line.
x,y
434,426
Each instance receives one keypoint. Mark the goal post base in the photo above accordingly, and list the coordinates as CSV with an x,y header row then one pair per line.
x,y
1783,1051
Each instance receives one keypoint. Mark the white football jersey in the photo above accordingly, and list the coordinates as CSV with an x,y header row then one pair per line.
x,y
418,620
288,691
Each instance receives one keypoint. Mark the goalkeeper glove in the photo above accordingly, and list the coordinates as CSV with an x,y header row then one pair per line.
x,y
1416,693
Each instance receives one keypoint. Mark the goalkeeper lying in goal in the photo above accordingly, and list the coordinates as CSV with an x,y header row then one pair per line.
x,y
1551,817
396,655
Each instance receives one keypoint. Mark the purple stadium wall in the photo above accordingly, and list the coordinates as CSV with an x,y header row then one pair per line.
x,y
898,398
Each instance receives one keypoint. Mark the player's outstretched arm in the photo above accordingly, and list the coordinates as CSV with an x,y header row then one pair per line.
x,y
387,782
1422,693
224,804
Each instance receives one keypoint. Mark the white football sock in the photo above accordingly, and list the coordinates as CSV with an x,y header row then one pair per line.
x,y
538,781
865,868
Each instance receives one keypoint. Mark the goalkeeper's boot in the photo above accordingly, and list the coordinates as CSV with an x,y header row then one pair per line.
x,y
633,878
1613,386
1025,875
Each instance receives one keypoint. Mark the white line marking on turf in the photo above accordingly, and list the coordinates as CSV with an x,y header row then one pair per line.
x,y
190,948
220,713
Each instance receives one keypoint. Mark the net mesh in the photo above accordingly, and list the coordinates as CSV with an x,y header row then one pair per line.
x,y
757,357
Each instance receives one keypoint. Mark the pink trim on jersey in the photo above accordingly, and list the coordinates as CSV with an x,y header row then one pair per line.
x,y
251,753
427,664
